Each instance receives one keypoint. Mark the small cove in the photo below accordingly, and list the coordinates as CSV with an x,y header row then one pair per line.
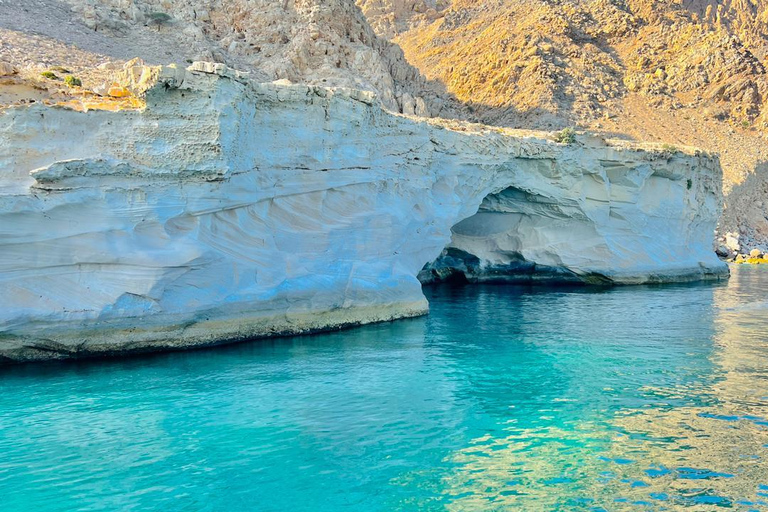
x,y
503,398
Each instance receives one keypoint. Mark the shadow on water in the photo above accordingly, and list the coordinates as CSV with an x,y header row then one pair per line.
x,y
457,290
504,397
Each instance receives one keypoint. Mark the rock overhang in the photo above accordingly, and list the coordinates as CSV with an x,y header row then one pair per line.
x,y
228,209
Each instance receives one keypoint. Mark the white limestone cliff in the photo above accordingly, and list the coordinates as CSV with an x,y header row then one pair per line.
x,y
229,209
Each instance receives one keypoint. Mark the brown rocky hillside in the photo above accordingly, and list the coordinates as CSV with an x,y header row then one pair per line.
x,y
686,72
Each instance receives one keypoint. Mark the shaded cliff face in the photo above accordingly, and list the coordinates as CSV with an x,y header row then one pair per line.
x,y
327,43
230,209
391,17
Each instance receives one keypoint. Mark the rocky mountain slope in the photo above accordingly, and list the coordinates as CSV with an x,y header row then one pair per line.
x,y
570,61
316,42
680,72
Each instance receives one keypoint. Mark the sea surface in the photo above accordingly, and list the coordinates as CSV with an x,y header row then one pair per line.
x,y
503,398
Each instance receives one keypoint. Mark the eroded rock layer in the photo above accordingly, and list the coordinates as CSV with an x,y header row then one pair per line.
x,y
229,209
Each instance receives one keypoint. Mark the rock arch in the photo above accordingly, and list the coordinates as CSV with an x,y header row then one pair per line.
x,y
230,209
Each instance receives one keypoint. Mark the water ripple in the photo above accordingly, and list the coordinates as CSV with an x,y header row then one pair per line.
x,y
504,398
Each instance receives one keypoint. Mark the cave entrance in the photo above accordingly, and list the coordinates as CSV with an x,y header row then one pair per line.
x,y
512,238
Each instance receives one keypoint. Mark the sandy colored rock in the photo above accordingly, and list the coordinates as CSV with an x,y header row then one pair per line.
x,y
7,69
118,91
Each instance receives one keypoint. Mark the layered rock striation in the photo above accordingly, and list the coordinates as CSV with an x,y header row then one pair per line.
x,y
229,209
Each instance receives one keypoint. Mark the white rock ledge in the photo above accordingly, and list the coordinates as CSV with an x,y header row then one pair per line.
x,y
229,210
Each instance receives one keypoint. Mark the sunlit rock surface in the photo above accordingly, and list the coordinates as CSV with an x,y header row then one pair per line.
x,y
229,209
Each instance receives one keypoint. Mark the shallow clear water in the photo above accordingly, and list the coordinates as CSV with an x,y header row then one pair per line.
x,y
504,398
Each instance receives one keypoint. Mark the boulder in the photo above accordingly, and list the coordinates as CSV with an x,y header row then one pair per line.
x,y
102,89
723,251
110,65
118,91
732,242
6,69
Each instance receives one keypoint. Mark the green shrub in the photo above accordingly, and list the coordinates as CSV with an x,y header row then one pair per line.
x,y
50,75
668,149
72,81
566,136
158,18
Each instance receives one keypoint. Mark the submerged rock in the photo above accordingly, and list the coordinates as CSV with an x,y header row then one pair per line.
x,y
229,209
724,251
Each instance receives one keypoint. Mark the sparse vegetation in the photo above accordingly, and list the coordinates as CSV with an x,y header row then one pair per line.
x,y
50,75
72,81
668,149
566,136
158,18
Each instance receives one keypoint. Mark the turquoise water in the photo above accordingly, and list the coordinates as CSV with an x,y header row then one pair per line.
x,y
504,398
